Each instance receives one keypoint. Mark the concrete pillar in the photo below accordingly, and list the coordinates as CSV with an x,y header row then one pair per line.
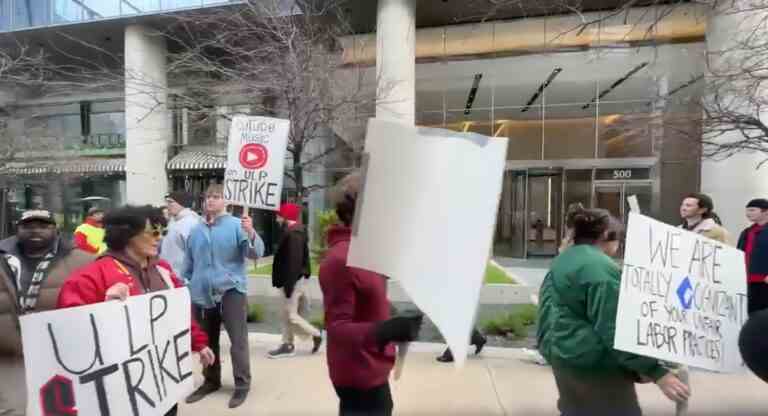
x,y
733,181
147,119
396,60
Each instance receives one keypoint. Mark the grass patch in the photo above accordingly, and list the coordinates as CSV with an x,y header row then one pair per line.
x,y
318,322
495,275
515,323
255,313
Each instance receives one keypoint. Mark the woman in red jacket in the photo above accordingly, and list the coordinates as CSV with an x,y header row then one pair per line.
x,y
360,332
130,267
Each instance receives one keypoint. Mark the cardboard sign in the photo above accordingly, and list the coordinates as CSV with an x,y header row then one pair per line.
x,y
256,161
114,358
427,217
683,297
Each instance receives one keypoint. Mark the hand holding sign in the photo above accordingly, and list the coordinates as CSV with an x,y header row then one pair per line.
x,y
118,291
673,388
207,357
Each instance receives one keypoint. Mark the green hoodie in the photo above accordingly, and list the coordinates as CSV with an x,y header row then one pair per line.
x,y
577,317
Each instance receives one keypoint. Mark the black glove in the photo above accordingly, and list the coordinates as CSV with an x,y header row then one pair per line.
x,y
403,328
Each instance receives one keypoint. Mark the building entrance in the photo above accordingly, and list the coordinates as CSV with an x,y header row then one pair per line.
x,y
535,202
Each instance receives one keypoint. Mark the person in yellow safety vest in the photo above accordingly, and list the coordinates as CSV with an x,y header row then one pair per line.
x,y
89,236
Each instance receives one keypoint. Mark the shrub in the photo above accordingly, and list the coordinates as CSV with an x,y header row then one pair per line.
x,y
255,313
318,322
512,323
325,220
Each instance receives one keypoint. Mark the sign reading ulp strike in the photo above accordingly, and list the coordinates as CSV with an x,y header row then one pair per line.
x,y
129,358
683,297
255,161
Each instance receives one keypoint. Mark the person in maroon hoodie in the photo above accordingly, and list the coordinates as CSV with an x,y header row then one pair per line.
x,y
361,334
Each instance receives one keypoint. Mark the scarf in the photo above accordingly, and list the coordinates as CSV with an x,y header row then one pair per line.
x,y
28,300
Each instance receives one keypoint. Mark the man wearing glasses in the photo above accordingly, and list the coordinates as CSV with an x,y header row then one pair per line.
x,y
33,267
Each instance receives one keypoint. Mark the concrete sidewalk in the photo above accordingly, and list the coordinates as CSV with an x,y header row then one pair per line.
x,y
496,384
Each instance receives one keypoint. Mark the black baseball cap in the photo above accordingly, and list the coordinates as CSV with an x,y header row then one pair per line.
x,y
37,215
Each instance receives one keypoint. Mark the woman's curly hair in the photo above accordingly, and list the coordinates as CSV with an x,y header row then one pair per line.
x,y
124,223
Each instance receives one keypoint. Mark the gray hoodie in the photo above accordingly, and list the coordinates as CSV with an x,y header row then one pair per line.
x,y
174,245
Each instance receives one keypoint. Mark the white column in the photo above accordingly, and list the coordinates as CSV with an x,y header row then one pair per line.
x,y
147,119
396,60
734,181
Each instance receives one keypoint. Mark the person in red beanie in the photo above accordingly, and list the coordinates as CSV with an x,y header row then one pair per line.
x,y
290,273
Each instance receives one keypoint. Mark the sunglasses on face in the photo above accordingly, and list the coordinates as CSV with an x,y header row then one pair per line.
x,y
155,231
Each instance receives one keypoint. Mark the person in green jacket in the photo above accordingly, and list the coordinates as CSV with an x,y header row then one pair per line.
x,y
577,322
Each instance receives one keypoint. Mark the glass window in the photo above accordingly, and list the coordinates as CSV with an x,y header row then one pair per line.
x,y
30,13
569,132
477,121
5,15
524,130
429,95
58,125
108,123
624,130
458,90
434,119
139,6
83,10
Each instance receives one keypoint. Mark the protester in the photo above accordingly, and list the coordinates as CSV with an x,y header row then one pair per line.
x,y
89,236
360,350
567,240
698,214
215,268
130,267
577,318
183,220
33,266
478,340
291,270
753,344
754,242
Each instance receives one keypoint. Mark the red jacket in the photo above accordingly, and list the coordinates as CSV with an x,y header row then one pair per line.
x,y
355,302
89,284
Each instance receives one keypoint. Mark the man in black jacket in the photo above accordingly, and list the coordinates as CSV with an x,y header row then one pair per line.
x,y
754,242
290,272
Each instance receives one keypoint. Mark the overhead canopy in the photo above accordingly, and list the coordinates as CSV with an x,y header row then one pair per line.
x,y
62,166
197,160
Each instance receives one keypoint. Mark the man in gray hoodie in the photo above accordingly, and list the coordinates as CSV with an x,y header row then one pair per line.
x,y
183,219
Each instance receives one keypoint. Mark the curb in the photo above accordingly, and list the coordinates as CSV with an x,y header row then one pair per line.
x,y
263,340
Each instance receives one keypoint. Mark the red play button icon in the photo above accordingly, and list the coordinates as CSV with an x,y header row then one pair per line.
x,y
253,156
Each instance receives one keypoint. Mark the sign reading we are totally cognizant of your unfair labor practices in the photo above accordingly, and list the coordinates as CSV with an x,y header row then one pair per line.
x,y
255,161
683,297
129,358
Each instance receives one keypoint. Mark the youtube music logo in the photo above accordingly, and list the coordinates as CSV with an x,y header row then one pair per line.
x,y
253,156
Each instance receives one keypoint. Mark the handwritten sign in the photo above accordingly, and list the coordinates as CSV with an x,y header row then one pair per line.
x,y
255,161
683,297
114,358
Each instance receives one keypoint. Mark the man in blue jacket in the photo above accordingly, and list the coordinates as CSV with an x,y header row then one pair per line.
x,y
215,268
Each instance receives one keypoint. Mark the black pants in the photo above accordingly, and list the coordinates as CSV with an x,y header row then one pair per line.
x,y
174,411
374,402
232,312
757,297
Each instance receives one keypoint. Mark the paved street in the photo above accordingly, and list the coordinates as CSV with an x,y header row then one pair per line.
x,y
497,384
